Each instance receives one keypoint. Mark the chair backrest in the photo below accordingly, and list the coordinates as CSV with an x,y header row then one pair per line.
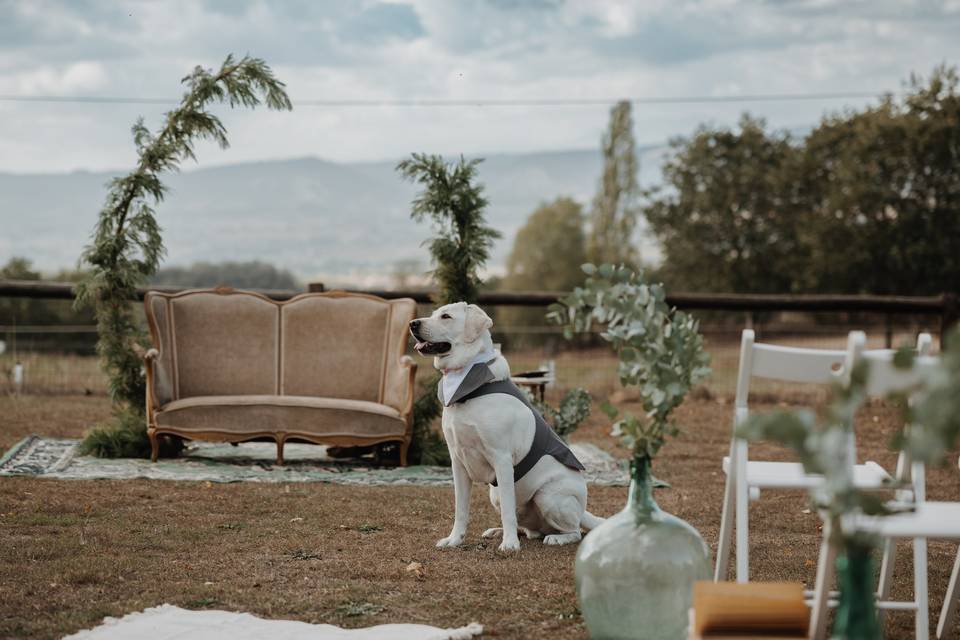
x,y
802,365
885,378
787,364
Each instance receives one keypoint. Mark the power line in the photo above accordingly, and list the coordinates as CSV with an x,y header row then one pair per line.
x,y
520,102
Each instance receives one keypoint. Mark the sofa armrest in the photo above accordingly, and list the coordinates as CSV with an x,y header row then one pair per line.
x,y
149,364
411,365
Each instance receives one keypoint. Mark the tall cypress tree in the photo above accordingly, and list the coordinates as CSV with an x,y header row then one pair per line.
x,y
127,246
613,216
453,201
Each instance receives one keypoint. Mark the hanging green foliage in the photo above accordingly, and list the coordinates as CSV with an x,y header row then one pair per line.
x,y
127,246
453,201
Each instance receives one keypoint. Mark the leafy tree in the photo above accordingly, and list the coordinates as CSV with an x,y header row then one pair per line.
x,y
23,310
729,218
613,217
453,201
883,192
241,275
868,202
35,311
546,256
549,249
127,246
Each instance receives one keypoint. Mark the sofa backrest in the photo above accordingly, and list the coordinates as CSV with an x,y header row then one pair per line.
x,y
227,342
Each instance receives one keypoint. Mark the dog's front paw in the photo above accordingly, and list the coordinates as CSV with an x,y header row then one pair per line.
x,y
452,540
509,546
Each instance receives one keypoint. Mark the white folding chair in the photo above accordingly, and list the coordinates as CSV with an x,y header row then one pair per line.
x,y
927,520
950,600
745,478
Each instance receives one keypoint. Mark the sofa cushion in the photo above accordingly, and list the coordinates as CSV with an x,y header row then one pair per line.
x,y
224,343
334,347
273,414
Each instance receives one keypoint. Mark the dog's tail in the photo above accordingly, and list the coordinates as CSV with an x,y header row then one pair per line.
x,y
590,521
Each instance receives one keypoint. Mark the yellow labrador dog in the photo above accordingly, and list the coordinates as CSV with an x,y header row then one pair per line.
x,y
496,437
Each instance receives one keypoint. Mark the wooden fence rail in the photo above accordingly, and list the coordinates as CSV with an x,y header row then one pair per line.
x,y
945,306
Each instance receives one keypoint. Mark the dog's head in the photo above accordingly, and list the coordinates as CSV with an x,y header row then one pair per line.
x,y
454,334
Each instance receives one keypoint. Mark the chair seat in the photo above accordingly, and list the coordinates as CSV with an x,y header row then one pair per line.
x,y
929,520
790,475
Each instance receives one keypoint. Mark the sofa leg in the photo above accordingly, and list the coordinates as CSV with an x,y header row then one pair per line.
x,y
404,445
154,445
280,442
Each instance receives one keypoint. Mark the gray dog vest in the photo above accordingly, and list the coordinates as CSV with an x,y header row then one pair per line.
x,y
480,382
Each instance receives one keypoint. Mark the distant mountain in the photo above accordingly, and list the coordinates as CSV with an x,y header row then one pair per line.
x,y
322,220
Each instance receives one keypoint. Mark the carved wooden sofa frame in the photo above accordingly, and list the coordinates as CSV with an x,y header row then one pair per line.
x,y
339,374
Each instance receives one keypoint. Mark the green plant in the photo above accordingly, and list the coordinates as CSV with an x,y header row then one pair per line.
x,y
660,350
453,201
573,410
127,246
613,215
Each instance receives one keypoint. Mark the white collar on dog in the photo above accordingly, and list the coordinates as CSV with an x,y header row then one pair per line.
x,y
454,378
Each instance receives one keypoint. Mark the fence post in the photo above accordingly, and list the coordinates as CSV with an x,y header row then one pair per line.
x,y
948,317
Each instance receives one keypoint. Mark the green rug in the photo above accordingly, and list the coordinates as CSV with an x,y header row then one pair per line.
x,y
252,462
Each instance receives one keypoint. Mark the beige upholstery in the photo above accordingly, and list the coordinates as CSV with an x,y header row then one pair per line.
x,y
235,365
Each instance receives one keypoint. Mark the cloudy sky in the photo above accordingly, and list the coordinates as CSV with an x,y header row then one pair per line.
x,y
440,50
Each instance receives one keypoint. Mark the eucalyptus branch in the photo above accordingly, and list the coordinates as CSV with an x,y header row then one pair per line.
x,y
660,349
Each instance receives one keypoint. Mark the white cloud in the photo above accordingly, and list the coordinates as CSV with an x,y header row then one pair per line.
x,y
71,79
440,49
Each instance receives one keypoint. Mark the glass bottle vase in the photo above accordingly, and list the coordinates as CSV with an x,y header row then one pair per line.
x,y
857,611
635,572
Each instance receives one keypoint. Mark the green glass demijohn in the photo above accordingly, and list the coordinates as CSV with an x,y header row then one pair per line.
x,y
856,617
635,572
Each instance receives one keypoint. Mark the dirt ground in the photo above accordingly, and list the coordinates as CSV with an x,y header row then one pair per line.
x,y
76,551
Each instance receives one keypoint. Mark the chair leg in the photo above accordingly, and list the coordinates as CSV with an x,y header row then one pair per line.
x,y
280,442
920,588
949,610
742,505
404,446
887,564
154,444
722,569
821,589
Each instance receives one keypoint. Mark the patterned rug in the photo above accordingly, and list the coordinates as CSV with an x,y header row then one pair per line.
x,y
252,462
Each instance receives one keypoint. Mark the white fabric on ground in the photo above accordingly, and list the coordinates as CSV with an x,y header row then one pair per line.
x,y
168,622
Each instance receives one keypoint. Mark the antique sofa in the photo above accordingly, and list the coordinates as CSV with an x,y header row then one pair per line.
x,y
231,366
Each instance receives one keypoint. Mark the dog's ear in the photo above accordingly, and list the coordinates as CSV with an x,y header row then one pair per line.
x,y
476,322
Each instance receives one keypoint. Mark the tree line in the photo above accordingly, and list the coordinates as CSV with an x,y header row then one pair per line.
x,y
867,202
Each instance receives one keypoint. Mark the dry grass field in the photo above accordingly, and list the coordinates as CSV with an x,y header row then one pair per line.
x,y
75,551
